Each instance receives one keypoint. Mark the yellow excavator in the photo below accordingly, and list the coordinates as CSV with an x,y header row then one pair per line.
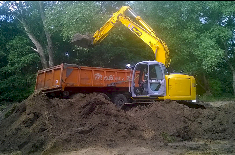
x,y
153,81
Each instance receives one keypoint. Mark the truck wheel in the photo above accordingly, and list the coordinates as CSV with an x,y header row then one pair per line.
x,y
52,95
119,100
65,94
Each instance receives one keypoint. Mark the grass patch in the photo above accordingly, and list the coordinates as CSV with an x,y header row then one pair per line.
x,y
211,98
167,137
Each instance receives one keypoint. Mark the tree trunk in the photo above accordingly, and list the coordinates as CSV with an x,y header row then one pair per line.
x,y
48,36
230,65
39,48
233,82
233,71
207,88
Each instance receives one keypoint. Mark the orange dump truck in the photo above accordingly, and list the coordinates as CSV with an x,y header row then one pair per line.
x,y
146,82
66,79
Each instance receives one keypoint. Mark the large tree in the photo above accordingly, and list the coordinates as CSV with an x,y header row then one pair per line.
x,y
31,15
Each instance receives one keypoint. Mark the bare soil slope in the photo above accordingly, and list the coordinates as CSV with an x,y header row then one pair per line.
x,y
40,125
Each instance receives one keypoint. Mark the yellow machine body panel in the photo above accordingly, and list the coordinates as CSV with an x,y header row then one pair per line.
x,y
186,83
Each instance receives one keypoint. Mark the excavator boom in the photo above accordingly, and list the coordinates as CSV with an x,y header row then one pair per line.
x,y
143,31
100,34
159,47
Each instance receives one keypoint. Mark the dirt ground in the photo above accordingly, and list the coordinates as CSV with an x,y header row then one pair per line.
x,y
87,124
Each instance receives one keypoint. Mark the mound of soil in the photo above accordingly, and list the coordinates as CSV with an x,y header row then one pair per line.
x,y
217,123
43,125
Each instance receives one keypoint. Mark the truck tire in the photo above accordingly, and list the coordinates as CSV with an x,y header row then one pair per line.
x,y
119,100
65,94
51,95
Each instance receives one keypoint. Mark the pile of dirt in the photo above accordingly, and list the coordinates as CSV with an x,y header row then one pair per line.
x,y
43,125
167,120
216,123
82,40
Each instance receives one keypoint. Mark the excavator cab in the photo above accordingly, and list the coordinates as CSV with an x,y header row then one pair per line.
x,y
148,80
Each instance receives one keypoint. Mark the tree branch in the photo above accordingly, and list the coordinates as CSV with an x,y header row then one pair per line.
x,y
35,49
226,57
48,35
39,48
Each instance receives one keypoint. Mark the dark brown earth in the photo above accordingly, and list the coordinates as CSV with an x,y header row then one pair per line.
x,y
82,40
40,125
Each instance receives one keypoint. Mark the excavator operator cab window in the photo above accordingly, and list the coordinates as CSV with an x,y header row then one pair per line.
x,y
148,80
141,86
155,74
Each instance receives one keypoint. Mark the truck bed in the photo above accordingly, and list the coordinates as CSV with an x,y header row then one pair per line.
x,y
73,77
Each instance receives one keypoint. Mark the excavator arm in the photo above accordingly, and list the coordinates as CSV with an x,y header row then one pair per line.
x,y
144,32
100,34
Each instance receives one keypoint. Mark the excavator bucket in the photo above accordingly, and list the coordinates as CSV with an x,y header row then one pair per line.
x,y
82,40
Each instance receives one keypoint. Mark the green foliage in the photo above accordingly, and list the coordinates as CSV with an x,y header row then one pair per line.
x,y
215,86
21,56
7,31
72,17
18,76
208,53
17,87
